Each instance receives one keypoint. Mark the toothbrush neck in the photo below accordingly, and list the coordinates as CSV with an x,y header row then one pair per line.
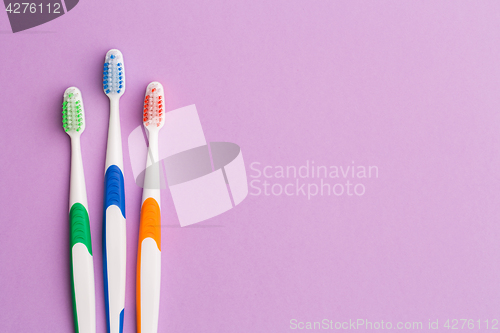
x,y
153,174
153,155
114,104
78,191
114,155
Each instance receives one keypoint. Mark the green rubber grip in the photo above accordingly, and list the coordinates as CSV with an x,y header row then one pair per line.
x,y
79,226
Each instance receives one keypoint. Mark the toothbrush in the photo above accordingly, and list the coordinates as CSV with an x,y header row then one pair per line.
x,y
149,252
113,228
82,262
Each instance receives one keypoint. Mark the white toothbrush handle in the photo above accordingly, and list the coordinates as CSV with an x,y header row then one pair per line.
x,y
82,263
149,251
114,226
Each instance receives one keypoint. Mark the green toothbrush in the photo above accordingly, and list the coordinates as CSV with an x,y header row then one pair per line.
x,y
82,262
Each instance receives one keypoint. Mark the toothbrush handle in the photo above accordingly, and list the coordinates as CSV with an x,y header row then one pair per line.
x,y
114,248
149,267
82,270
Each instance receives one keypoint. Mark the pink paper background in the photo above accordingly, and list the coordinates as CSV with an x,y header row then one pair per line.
x,y
410,86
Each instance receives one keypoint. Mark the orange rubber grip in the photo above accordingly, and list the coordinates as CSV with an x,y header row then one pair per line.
x,y
150,227
150,222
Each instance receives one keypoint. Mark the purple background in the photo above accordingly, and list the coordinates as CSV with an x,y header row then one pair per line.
x,y
410,86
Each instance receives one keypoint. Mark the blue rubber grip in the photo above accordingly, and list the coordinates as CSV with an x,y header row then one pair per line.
x,y
114,189
114,194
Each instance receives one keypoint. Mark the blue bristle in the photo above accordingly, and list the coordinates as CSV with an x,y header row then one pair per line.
x,y
113,75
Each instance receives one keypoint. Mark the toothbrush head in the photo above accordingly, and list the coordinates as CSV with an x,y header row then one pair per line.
x,y
154,106
113,79
73,116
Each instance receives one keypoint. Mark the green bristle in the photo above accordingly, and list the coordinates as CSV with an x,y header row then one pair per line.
x,y
72,113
